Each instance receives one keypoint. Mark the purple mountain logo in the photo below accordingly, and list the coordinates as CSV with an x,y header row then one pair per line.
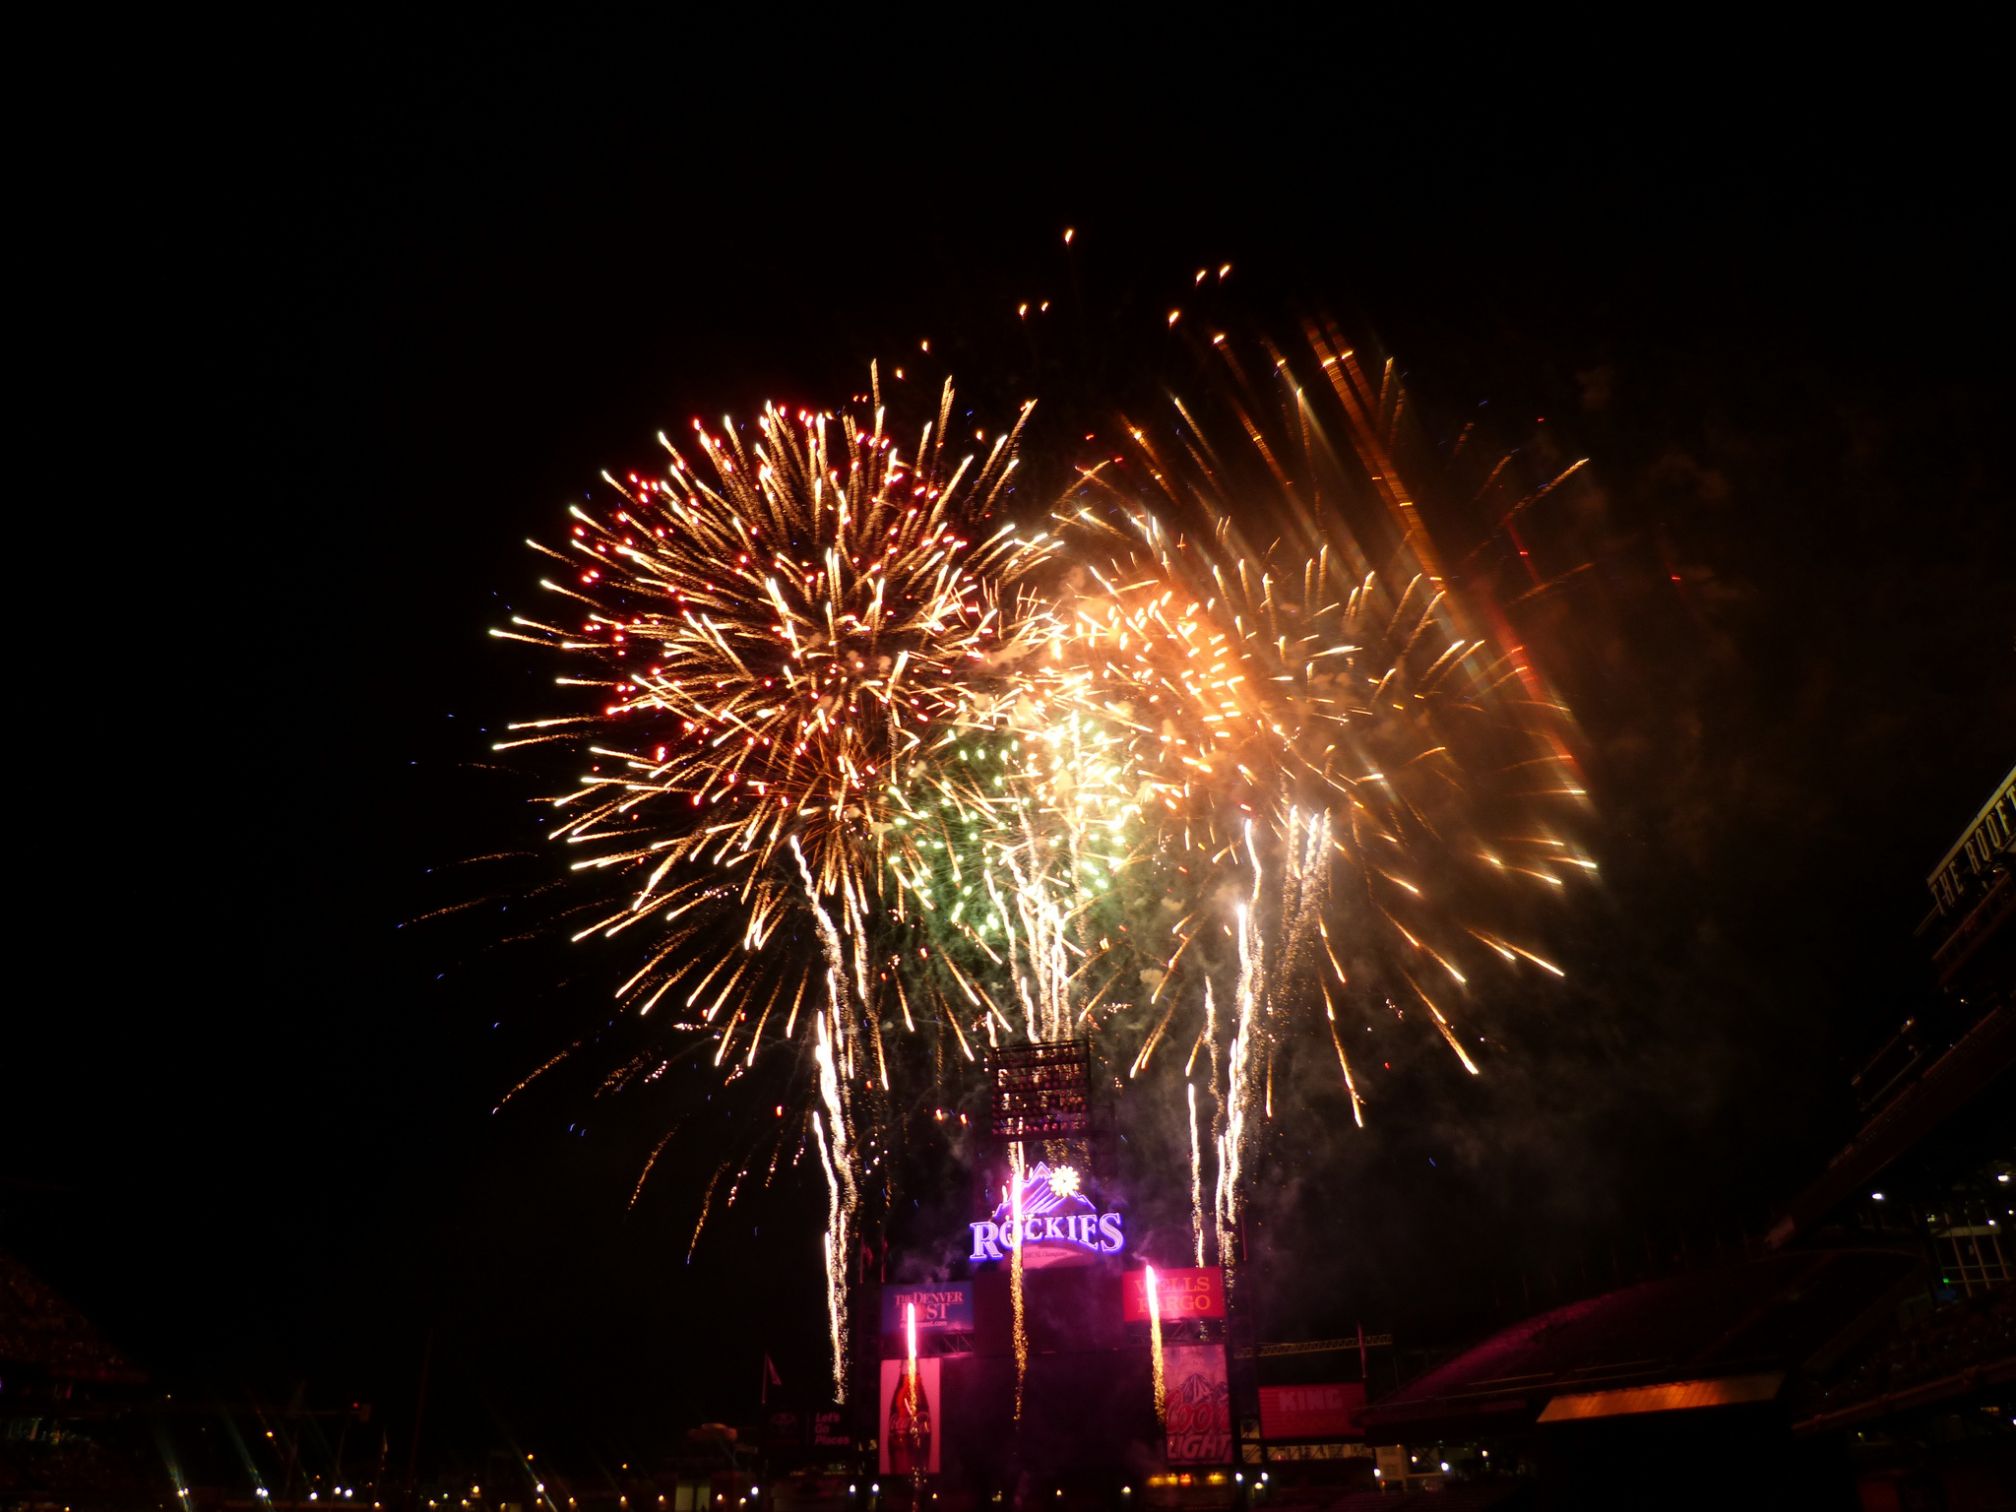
x,y
1055,1211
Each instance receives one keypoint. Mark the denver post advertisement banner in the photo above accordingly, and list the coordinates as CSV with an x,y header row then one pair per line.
x,y
1199,1404
942,1307
911,1417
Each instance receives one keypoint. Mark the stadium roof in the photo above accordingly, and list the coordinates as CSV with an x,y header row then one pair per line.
x,y
1711,1338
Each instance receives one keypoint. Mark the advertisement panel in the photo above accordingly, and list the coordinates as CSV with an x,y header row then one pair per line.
x,y
911,1417
1198,1405
1181,1294
1050,1219
1330,1410
942,1307
830,1430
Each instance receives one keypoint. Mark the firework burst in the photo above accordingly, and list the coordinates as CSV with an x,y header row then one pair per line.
x,y
776,632
874,774
1337,766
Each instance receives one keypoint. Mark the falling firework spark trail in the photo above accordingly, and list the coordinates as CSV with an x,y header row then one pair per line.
x,y
535,1074
910,1369
1196,1174
1154,1291
645,1174
1015,1279
837,1159
706,1203
833,1250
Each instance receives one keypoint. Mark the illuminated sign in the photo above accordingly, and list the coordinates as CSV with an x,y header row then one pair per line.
x,y
1040,1091
1054,1212
830,1430
1179,1294
911,1408
1312,1412
942,1307
1198,1419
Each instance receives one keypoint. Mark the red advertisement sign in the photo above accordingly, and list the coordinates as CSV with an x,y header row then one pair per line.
x,y
1288,1413
1179,1293
1197,1405
912,1417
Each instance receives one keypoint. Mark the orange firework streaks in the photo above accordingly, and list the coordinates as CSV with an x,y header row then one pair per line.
x,y
1334,762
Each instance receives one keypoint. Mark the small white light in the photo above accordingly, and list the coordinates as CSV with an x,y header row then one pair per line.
x,y
1445,1467
1875,1196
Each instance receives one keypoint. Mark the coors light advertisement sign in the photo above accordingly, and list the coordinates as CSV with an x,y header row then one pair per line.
x,y
1198,1404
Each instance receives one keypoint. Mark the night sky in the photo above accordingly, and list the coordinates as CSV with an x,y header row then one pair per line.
x,y
443,283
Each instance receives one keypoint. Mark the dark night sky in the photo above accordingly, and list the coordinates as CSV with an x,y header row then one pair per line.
x,y
1770,300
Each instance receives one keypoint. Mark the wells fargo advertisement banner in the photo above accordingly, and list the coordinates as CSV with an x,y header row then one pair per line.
x,y
1181,1294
